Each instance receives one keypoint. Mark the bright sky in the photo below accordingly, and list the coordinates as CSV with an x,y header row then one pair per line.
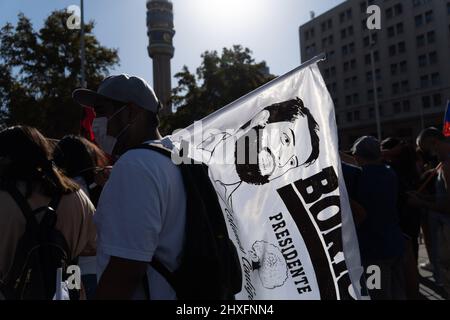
x,y
268,27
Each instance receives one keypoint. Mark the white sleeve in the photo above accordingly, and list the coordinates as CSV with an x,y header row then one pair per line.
x,y
129,217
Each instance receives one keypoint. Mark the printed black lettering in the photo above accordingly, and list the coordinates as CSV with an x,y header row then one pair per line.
x,y
304,289
277,217
285,242
332,203
295,263
322,183
297,272
282,234
278,226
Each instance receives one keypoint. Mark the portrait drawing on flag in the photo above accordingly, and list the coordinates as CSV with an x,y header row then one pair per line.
x,y
265,148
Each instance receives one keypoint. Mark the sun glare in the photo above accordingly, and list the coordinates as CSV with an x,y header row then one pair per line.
x,y
228,8
231,11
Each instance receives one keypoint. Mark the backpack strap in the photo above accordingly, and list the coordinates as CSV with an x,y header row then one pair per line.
x,y
163,271
23,204
156,264
52,205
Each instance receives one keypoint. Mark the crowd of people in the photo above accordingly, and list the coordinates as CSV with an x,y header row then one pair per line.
x,y
399,195
398,192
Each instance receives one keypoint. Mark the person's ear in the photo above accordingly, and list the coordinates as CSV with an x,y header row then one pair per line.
x,y
133,112
260,119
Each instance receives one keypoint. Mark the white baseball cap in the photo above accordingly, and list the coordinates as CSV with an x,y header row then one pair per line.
x,y
121,88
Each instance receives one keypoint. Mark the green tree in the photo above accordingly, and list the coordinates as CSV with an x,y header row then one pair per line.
x,y
40,69
218,81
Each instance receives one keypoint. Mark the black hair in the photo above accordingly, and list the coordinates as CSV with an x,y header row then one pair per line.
x,y
431,133
77,156
29,161
247,171
287,111
391,143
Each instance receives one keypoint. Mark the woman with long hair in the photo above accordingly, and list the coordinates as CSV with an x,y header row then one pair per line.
x,y
87,165
26,167
84,162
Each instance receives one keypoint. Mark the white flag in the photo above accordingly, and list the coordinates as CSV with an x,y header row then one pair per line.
x,y
273,160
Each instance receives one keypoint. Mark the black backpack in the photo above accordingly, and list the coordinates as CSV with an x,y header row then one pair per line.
x,y
209,268
39,253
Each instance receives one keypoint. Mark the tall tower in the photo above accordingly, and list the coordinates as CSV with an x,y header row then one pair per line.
x,y
160,32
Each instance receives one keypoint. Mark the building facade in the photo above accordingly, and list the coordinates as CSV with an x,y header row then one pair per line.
x,y
161,50
407,61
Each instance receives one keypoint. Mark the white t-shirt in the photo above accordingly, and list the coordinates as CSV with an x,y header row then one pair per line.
x,y
141,214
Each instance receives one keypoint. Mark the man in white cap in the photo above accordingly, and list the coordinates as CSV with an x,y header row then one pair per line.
x,y
142,210
126,110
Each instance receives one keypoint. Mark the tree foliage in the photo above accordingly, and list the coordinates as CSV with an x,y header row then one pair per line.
x,y
219,80
40,69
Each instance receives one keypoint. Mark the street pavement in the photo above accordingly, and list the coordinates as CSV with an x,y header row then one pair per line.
x,y
427,287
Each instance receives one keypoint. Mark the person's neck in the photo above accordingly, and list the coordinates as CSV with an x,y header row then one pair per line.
x,y
152,135
155,135
137,140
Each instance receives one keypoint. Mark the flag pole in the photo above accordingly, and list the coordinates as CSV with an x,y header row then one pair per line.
x,y
83,60
445,117
316,59
82,47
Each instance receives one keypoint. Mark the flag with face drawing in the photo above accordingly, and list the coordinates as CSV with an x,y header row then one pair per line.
x,y
273,161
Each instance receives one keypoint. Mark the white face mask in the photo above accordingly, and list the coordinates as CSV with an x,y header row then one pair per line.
x,y
100,129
